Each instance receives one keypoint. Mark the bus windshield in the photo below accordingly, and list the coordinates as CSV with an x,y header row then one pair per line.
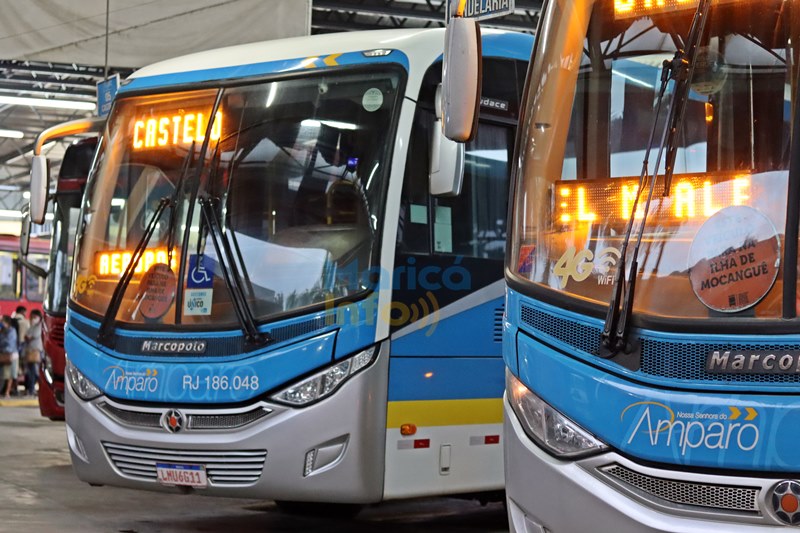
x,y
294,169
713,240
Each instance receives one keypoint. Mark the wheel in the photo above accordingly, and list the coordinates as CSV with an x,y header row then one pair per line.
x,y
330,510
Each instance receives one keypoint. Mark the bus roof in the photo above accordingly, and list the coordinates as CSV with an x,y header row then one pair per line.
x,y
414,48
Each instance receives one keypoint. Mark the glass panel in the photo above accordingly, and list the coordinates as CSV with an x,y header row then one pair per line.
x,y
479,212
8,276
298,187
34,285
147,157
65,224
581,162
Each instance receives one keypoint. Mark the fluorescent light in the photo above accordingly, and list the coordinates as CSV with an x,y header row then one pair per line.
x,y
46,102
12,213
11,134
311,123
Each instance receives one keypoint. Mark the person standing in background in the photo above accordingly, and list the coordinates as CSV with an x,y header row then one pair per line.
x,y
33,351
22,325
8,344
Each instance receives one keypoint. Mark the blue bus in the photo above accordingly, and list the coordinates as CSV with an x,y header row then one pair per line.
x,y
651,337
287,283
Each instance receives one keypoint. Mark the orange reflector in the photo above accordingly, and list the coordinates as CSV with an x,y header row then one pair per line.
x,y
408,429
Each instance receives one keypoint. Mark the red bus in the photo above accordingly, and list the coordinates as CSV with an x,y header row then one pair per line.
x,y
19,285
67,200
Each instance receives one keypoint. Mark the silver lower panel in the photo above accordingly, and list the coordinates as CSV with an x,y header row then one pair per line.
x,y
348,430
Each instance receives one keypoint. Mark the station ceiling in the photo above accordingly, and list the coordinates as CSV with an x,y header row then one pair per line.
x,y
76,82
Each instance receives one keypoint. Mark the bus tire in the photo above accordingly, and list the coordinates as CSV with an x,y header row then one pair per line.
x,y
330,510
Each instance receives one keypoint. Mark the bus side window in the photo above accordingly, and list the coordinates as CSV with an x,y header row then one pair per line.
x,y
413,232
473,224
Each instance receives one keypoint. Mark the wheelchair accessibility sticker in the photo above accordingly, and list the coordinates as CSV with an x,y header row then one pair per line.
x,y
199,286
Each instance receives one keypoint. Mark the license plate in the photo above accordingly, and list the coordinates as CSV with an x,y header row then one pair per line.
x,y
182,475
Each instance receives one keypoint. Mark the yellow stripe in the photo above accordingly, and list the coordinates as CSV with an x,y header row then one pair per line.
x,y
331,60
309,62
445,412
462,5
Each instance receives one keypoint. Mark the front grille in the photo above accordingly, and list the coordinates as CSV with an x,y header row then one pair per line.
x,y
56,333
222,467
194,421
225,421
684,361
718,497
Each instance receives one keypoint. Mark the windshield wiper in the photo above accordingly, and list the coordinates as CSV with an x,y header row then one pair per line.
x,y
119,291
614,338
141,246
230,274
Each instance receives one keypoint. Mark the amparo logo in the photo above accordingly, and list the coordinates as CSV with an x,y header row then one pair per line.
x,y
120,380
658,425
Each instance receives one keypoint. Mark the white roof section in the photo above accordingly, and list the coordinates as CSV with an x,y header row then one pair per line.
x,y
412,42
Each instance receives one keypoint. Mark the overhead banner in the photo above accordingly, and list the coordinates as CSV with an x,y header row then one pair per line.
x,y
141,33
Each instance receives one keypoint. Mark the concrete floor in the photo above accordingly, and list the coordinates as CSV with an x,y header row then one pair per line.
x,y
39,493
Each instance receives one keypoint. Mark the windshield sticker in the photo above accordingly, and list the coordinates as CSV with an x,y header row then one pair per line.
x,y
372,100
201,272
734,259
198,302
419,214
525,263
579,265
443,230
156,291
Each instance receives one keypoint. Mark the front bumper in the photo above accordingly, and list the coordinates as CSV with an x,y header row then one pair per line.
x,y
546,494
347,430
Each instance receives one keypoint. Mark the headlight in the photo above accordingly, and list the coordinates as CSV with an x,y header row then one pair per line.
x,y
85,389
47,366
323,383
550,429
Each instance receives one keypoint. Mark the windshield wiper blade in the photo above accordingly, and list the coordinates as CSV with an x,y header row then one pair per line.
x,y
614,337
119,291
230,274
141,246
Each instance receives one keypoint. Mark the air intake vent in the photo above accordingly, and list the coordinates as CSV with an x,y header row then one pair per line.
x,y
223,467
56,333
497,332
195,421
684,361
720,497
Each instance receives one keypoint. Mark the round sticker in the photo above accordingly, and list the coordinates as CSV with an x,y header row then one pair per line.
x,y
157,291
734,259
709,75
373,100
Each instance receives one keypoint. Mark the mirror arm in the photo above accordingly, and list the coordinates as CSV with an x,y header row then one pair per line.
x,y
35,269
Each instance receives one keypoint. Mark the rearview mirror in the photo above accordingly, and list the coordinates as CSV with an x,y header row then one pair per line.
x,y
25,234
447,158
461,78
40,185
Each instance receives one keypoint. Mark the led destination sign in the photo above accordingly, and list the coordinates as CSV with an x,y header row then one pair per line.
x,y
174,129
113,263
640,8
611,201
